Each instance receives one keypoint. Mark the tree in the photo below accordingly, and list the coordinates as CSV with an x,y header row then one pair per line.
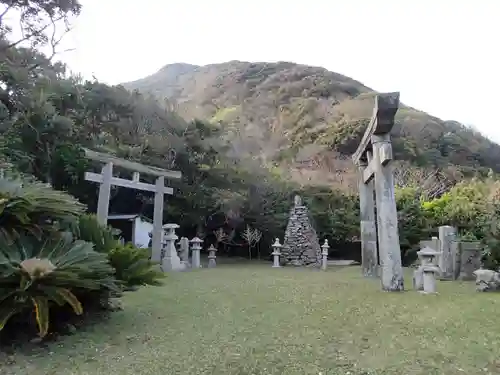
x,y
38,23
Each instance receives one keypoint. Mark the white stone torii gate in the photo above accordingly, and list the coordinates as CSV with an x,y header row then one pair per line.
x,y
373,158
106,180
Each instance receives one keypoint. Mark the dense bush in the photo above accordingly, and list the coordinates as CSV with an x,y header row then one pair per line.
x,y
473,207
413,225
132,264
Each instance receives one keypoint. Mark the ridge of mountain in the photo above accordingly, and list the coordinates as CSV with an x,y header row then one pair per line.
x,y
307,120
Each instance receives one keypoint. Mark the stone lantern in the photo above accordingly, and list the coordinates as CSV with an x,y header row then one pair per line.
x,y
211,256
276,253
324,254
429,269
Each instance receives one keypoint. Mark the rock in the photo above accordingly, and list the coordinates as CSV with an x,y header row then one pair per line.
x,y
487,280
301,246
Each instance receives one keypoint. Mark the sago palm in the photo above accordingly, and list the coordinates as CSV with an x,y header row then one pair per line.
x,y
33,207
36,276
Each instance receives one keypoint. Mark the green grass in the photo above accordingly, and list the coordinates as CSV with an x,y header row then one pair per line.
x,y
258,320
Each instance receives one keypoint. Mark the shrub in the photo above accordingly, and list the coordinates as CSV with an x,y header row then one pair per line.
x,y
36,276
132,265
413,225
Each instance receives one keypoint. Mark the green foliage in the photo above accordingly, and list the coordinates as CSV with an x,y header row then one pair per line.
x,y
35,276
132,265
413,225
473,208
33,207
334,213
90,230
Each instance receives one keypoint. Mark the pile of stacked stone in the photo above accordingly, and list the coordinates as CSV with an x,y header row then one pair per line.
x,y
301,245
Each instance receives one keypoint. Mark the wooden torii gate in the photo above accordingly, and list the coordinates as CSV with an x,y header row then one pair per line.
x,y
106,180
373,158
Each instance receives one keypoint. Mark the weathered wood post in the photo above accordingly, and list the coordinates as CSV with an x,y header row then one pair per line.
x,y
447,235
369,254
104,194
276,253
158,218
324,254
376,145
211,256
195,251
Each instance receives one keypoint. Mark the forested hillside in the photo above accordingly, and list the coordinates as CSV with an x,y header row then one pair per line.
x,y
47,117
308,120
245,136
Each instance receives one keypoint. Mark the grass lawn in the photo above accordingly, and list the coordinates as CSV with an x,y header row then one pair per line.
x,y
252,319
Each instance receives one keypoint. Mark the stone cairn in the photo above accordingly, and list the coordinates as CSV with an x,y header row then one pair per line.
x,y
300,246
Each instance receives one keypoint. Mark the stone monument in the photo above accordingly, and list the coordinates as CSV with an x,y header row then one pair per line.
x,y
171,261
300,246
184,251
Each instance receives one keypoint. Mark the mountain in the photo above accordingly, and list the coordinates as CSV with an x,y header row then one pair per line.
x,y
306,121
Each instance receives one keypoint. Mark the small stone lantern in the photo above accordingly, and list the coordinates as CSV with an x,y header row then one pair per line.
x,y
324,254
170,260
211,256
196,248
429,269
276,253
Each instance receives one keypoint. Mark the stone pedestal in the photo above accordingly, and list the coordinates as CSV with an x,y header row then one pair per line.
x,y
171,261
447,235
429,279
276,253
195,251
418,279
211,256
324,254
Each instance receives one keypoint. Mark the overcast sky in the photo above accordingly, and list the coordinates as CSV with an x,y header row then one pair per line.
x,y
442,55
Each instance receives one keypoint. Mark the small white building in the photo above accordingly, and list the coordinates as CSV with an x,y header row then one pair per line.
x,y
134,228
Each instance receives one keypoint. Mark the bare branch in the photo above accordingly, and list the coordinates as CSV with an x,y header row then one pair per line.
x,y
33,34
5,11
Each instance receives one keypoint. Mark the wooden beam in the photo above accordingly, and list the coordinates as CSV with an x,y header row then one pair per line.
x,y
94,177
368,173
385,157
382,122
131,165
